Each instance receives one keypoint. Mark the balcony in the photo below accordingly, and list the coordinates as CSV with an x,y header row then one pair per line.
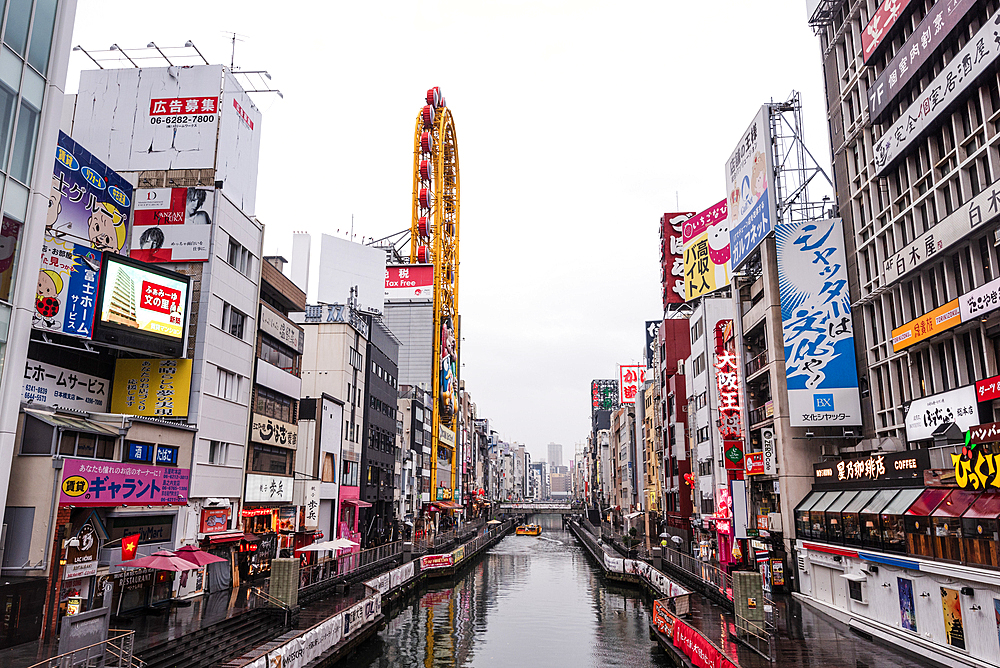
x,y
758,415
756,364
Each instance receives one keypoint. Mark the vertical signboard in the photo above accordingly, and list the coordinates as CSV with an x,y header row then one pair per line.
x,y
767,449
603,395
706,251
66,291
672,256
652,329
816,324
750,184
630,380
880,26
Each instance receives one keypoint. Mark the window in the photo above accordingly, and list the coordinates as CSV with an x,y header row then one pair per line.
x,y
80,444
278,354
268,459
350,473
356,360
218,452
273,405
239,257
229,385
233,320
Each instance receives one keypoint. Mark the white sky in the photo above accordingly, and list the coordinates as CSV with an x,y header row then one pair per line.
x,y
580,122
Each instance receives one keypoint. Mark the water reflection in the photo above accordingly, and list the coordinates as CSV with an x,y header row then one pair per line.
x,y
529,602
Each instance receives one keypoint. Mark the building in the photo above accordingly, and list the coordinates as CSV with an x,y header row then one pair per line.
x,y
674,347
319,453
555,454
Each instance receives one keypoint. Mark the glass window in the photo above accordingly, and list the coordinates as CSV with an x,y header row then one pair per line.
x,y
85,445
36,437
981,532
834,522
18,17
946,526
41,34
851,517
271,460
10,83
893,527
217,452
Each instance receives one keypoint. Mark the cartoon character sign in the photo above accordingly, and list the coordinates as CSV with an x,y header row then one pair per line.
x,y
706,251
448,370
66,288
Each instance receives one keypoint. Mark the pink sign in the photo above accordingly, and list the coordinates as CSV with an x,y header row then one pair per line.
x,y
718,213
409,282
88,482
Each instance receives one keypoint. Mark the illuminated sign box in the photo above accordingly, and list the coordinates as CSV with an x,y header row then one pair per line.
x,y
141,307
889,469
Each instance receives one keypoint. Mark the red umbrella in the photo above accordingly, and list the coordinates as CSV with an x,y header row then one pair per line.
x,y
197,557
164,560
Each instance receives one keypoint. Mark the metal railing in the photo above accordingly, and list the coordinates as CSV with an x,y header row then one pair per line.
x,y
758,637
431,541
115,652
346,564
756,364
707,573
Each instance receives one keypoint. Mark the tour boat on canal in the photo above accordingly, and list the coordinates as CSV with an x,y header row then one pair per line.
x,y
528,530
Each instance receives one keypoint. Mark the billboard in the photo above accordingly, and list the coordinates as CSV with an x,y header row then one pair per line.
x,y
66,288
154,388
50,385
880,26
603,395
172,224
924,416
672,257
705,243
409,282
926,326
347,265
652,330
923,42
90,203
816,324
974,60
750,184
448,370
239,145
87,482
141,306
630,381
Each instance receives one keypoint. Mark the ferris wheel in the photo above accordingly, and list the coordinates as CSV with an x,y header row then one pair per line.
x,y
434,240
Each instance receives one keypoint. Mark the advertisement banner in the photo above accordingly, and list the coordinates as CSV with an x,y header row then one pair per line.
x,y
172,224
267,488
614,564
749,182
151,387
603,395
270,431
929,34
753,463
409,282
662,619
974,60
143,300
727,381
281,328
816,324
90,203
978,302
907,613
940,319
239,145
66,292
94,483
431,561
214,520
959,406
893,469
630,381
706,251
880,26
81,560
652,329
702,653
768,452
951,606
988,389
50,385
672,257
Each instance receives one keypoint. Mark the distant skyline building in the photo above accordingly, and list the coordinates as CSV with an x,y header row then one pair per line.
x,y
555,455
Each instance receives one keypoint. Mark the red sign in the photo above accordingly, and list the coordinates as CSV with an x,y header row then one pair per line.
x,y
728,382
672,257
214,520
129,545
256,512
409,282
754,463
242,114
631,378
985,433
158,298
701,651
989,389
880,25
177,106
662,619
436,561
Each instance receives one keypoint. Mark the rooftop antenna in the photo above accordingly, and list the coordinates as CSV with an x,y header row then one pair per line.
x,y
232,54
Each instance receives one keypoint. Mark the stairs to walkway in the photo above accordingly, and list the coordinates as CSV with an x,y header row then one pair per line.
x,y
212,645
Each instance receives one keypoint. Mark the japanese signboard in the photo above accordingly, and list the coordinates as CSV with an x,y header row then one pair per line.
x,y
733,452
922,43
985,433
652,329
81,560
630,381
143,300
816,324
95,483
172,224
281,328
435,561
274,432
978,467
66,292
267,488
89,204
306,496
728,383
749,182
50,385
925,415
978,302
214,520
672,257
151,387
880,26
988,389
767,449
603,395
706,251
962,71
754,463
892,468
409,282
926,326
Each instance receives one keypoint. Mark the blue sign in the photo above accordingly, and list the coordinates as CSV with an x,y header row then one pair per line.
x,y
747,233
66,289
816,323
139,452
166,454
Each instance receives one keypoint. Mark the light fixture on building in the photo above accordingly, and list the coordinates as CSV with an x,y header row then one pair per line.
x,y
809,434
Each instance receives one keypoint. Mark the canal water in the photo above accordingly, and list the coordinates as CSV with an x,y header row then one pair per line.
x,y
530,601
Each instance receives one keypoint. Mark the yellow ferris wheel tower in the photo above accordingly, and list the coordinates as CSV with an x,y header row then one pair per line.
x,y
434,241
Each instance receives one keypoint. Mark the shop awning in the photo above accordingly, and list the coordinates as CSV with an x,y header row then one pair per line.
x,y
860,501
632,516
825,502
927,502
955,504
902,501
70,423
449,505
879,501
357,502
228,537
841,503
809,502
986,507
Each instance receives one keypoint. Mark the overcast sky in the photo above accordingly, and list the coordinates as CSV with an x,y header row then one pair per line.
x,y
579,124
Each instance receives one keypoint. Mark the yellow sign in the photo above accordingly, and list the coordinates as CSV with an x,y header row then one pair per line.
x,y
151,387
926,326
75,485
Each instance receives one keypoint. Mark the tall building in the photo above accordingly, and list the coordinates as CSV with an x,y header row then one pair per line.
x,y
555,455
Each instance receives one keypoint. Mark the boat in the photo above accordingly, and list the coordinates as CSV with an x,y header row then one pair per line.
x,y
528,530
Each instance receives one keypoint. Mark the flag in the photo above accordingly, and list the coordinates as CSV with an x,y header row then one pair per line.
x,y
129,546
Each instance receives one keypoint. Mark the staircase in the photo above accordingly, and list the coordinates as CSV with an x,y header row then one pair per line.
x,y
214,644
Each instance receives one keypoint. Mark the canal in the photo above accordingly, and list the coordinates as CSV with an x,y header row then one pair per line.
x,y
528,602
